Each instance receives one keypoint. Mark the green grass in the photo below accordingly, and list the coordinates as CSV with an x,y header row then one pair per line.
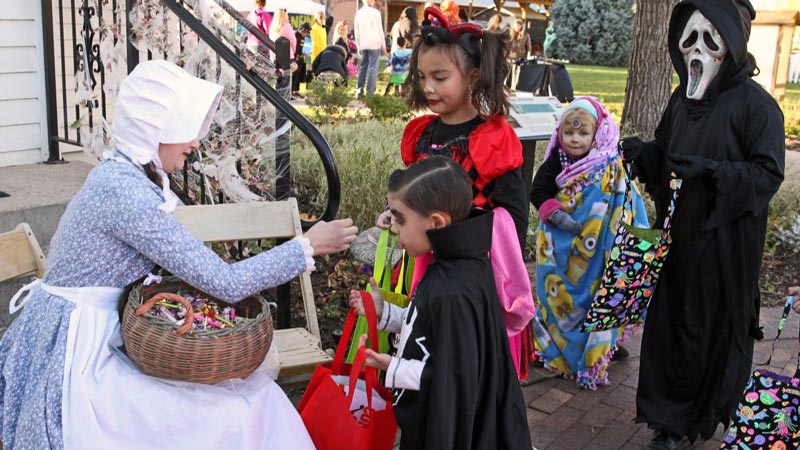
x,y
380,84
605,83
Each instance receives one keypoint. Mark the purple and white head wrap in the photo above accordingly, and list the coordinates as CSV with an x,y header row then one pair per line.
x,y
606,137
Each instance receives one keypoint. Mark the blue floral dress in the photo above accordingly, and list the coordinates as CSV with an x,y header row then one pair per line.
x,y
112,234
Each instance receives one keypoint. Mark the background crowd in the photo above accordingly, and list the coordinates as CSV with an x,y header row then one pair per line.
x,y
337,51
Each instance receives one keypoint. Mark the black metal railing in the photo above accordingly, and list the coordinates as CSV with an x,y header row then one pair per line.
x,y
84,51
54,153
87,57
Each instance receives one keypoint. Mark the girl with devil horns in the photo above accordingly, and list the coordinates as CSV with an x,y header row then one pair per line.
x,y
457,72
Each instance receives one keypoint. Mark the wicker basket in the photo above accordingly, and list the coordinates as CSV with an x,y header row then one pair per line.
x,y
162,350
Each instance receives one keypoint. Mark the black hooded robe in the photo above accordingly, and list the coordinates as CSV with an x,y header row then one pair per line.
x,y
469,396
698,338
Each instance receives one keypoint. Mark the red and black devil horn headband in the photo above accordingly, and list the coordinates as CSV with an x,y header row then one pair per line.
x,y
436,29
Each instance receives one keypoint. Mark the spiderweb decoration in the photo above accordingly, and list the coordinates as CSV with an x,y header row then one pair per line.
x,y
236,160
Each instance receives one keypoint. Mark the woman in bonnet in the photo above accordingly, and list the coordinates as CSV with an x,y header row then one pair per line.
x,y
65,382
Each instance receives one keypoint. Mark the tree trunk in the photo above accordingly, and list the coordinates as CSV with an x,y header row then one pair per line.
x,y
650,70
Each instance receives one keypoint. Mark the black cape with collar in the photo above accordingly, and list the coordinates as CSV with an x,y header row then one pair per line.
x,y
698,338
469,395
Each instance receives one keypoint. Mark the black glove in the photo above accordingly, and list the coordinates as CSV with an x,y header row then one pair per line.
x,y
690,166
630,148
562,220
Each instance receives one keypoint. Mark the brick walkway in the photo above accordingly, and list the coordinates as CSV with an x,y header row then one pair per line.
x,y
563,417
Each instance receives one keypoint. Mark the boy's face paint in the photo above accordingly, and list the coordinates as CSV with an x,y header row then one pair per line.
x,y
445,86
410,227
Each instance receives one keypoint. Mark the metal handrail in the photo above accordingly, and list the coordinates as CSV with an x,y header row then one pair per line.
x,y
263,88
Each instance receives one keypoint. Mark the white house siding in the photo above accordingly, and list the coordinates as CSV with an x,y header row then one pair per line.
x,y
22,107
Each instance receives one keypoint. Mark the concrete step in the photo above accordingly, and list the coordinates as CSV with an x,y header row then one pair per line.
x,y
38,195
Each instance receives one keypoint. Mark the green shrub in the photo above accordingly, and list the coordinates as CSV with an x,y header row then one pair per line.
x,y
382,107
365,152
328,101
789,235
593,31
791,115
783,222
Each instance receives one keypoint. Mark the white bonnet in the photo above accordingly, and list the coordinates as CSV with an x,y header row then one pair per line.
x,y
160,103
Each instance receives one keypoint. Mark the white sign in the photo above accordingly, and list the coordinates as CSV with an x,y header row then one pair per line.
x,y
534,118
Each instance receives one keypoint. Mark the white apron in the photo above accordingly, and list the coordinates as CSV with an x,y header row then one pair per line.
x,y
109,403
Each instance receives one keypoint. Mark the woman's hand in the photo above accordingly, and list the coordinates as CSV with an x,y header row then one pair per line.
x,y
357,304
331,237
795,291
384,220
374,359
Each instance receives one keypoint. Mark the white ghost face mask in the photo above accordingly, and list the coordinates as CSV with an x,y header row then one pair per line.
x,y
703,52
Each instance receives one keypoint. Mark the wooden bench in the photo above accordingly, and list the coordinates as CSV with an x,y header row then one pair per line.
x,y
299,349
20,254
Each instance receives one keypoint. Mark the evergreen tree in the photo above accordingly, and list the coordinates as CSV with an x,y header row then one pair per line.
x,y
593,31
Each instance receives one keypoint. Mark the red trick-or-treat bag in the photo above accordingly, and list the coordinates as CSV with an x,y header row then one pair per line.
x,y
344,407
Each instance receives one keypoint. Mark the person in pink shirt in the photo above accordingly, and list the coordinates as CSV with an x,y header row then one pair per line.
x,y
262,20
281,27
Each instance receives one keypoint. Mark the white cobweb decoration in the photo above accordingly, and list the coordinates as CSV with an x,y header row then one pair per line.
x,y
237,158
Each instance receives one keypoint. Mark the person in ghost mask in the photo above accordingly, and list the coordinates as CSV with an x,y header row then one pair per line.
x,y
65,381
723,135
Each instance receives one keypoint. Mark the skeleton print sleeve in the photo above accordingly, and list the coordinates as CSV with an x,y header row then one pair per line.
x,y
391,319
404,374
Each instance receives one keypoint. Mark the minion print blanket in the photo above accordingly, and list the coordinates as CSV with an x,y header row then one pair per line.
x,y
569,269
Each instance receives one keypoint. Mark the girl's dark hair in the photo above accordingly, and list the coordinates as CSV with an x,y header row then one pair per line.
x,y
434,184
150,171
489,96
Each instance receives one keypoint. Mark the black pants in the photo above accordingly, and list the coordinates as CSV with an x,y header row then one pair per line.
x,y
299,75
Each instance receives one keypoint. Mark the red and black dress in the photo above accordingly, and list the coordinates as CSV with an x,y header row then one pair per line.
x,y
491,154
487,149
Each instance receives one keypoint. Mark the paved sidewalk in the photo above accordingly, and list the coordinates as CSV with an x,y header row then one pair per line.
x,y
563,417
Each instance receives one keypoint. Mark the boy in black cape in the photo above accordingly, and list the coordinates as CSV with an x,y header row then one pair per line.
x,y
454,383
723,135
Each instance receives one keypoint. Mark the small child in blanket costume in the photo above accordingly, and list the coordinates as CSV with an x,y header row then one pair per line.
x,y
579,192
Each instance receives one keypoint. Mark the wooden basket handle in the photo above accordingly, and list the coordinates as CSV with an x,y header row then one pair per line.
x,y
188,320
